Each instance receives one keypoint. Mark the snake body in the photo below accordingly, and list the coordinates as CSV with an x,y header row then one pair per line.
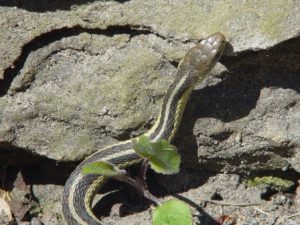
x,y
80,189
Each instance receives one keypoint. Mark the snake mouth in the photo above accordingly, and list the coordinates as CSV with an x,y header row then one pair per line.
x,y
216,38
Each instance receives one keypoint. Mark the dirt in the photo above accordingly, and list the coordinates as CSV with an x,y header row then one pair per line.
x,y
214,198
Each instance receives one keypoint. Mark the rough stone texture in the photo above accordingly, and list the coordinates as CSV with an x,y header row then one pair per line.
x,y
83,111
79,79
247,25
76,76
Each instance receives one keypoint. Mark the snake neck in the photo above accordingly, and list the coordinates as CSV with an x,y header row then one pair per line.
x,y
172,109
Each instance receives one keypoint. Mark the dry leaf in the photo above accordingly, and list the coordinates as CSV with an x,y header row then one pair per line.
x,y
5,212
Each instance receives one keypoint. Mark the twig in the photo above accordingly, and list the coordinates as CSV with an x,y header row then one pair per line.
x,y
139,184
291,216
144,168
261,211
229,203
280,218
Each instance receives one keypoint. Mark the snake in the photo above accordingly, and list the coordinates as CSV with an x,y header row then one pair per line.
x,y
80,189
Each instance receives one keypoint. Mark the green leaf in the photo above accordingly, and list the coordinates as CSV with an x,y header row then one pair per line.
x,y
102,168
162,155
172,212
166,160
142,146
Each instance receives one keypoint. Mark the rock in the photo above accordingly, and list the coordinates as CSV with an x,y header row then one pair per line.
x,y
50,218
77,127
49,203
93,77
76,77
5,212
36,221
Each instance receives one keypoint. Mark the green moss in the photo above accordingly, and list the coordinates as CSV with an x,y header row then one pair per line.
x,y
2,103
128,84
200,19
84,140
272,22
75,144
275,182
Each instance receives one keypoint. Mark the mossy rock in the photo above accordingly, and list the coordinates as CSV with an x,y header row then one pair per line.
x,y
276,183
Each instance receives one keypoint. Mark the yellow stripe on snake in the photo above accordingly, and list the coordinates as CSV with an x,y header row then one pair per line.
x,y
80,189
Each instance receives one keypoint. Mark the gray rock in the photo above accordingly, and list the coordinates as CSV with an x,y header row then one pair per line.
x,y
70,114
92,77
36,221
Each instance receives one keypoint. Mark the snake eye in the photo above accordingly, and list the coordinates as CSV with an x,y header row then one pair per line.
x,y
203,59
208,47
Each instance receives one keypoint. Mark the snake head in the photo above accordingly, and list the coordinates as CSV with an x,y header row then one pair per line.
x,y
202,57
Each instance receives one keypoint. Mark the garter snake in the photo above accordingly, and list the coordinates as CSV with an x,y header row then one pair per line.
x,y
80,189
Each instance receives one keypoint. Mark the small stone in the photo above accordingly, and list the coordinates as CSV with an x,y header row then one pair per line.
x,y
116,210
5,212
36,221
49,218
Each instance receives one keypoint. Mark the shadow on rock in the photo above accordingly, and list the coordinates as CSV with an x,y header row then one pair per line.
x,y
237,95
46,5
